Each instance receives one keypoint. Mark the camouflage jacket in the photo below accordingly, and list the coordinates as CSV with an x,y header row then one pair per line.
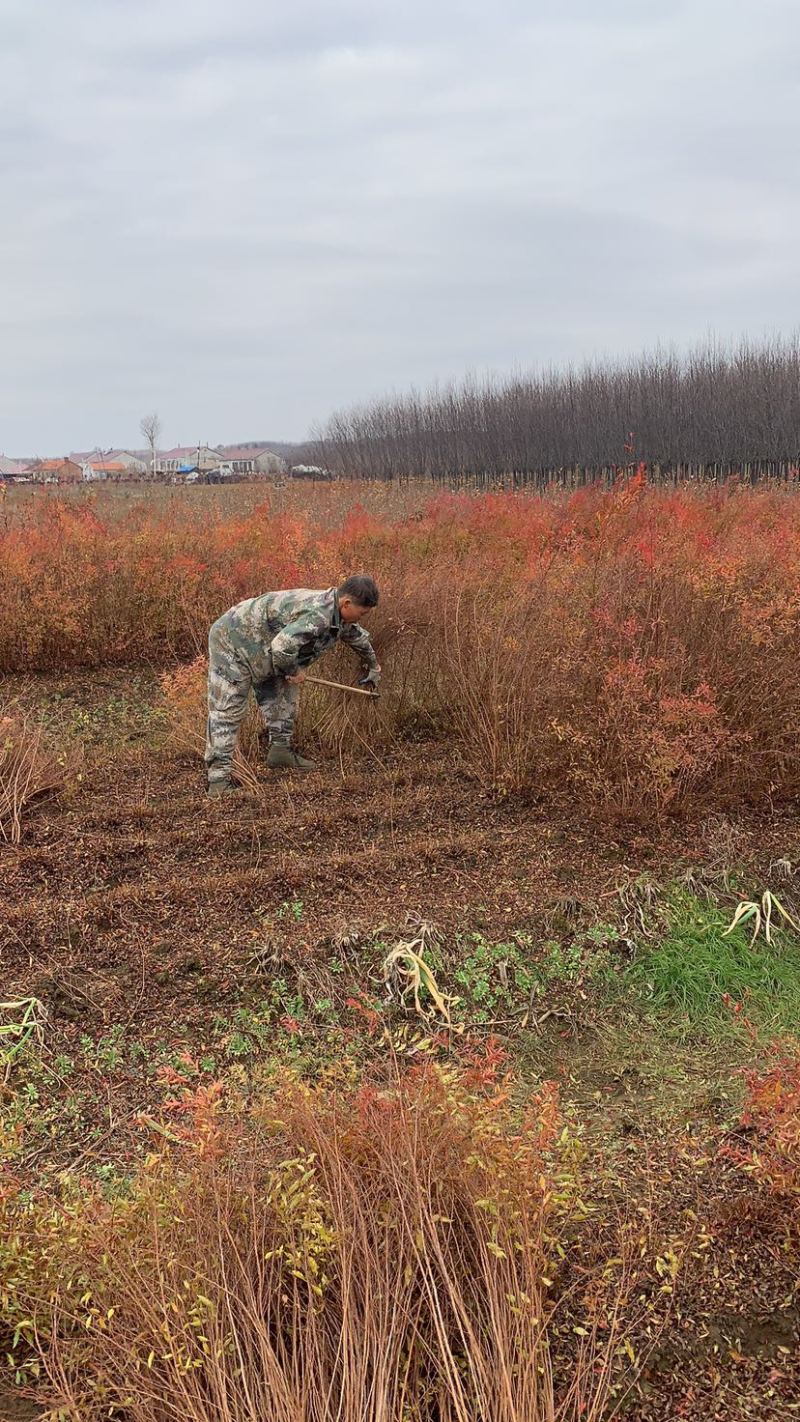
x,y
285,632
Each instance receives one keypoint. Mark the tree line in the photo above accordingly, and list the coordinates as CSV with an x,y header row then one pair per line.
x,y
718,410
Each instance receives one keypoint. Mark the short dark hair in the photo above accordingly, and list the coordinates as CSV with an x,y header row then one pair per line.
x,y
362,590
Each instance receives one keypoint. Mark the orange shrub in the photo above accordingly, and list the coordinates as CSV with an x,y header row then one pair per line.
x,y
634,646
771,1118
412,1251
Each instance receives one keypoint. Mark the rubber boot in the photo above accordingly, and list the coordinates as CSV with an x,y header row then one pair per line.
x,y
221,787
284,758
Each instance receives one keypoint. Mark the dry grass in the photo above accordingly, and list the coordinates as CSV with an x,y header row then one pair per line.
x,y
389,1256
30,767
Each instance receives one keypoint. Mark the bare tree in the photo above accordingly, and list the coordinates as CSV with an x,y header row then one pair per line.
x,y
715,411
150,426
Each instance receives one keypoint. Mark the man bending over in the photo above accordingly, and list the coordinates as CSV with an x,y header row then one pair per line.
x,y
267,643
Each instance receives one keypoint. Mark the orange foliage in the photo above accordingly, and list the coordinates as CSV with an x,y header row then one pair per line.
x,y
771,1118
635,645
336,1255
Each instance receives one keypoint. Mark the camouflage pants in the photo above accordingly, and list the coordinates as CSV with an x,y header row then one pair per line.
x,y
230,678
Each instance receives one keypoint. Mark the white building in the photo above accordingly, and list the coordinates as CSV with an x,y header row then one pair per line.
x,y
188,456
251,459
10,468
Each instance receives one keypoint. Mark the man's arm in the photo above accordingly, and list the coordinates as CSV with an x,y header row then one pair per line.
x,y
288,645
357,637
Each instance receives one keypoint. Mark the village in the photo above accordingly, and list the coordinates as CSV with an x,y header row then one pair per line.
x,y
185,464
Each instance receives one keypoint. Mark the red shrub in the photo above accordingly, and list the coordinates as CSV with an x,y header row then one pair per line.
x,y
771,1117
635,646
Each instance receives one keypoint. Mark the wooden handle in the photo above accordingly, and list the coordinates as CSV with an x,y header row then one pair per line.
x,y
337,685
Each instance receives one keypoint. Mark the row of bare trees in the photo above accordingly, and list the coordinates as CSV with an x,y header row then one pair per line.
x,y
720,407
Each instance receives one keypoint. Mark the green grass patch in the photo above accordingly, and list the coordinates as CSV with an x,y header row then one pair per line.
x,y
716,981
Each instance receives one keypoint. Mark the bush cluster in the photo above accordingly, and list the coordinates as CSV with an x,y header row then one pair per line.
x,y
635,647
419,1250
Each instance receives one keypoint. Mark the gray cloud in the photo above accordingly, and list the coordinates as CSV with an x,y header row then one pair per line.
x,y
244,214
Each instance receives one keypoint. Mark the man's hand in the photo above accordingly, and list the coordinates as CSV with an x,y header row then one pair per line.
x,y
373,678
297,679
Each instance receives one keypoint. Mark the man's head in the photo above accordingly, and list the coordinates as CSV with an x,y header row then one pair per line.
x,y
356,596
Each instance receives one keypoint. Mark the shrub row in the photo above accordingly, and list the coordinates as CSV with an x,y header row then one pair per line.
x,y
635,647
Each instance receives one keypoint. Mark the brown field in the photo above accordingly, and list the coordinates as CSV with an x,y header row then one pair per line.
x,y
196,998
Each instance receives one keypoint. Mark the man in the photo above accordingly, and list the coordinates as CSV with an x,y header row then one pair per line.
x,y
267,643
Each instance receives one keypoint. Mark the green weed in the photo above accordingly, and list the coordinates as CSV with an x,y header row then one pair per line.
x,y
243,1034
498,978
714,976
291,908
493,977
108,1052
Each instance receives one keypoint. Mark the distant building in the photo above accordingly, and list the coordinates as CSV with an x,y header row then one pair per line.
x,y
55,471
133,462
249,459
10,468
105,469
184,459
115,464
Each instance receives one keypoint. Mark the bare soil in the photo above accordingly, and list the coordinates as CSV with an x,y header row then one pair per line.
x,y
137,910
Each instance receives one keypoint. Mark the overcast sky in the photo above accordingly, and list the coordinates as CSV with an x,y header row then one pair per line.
x,y
244,214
